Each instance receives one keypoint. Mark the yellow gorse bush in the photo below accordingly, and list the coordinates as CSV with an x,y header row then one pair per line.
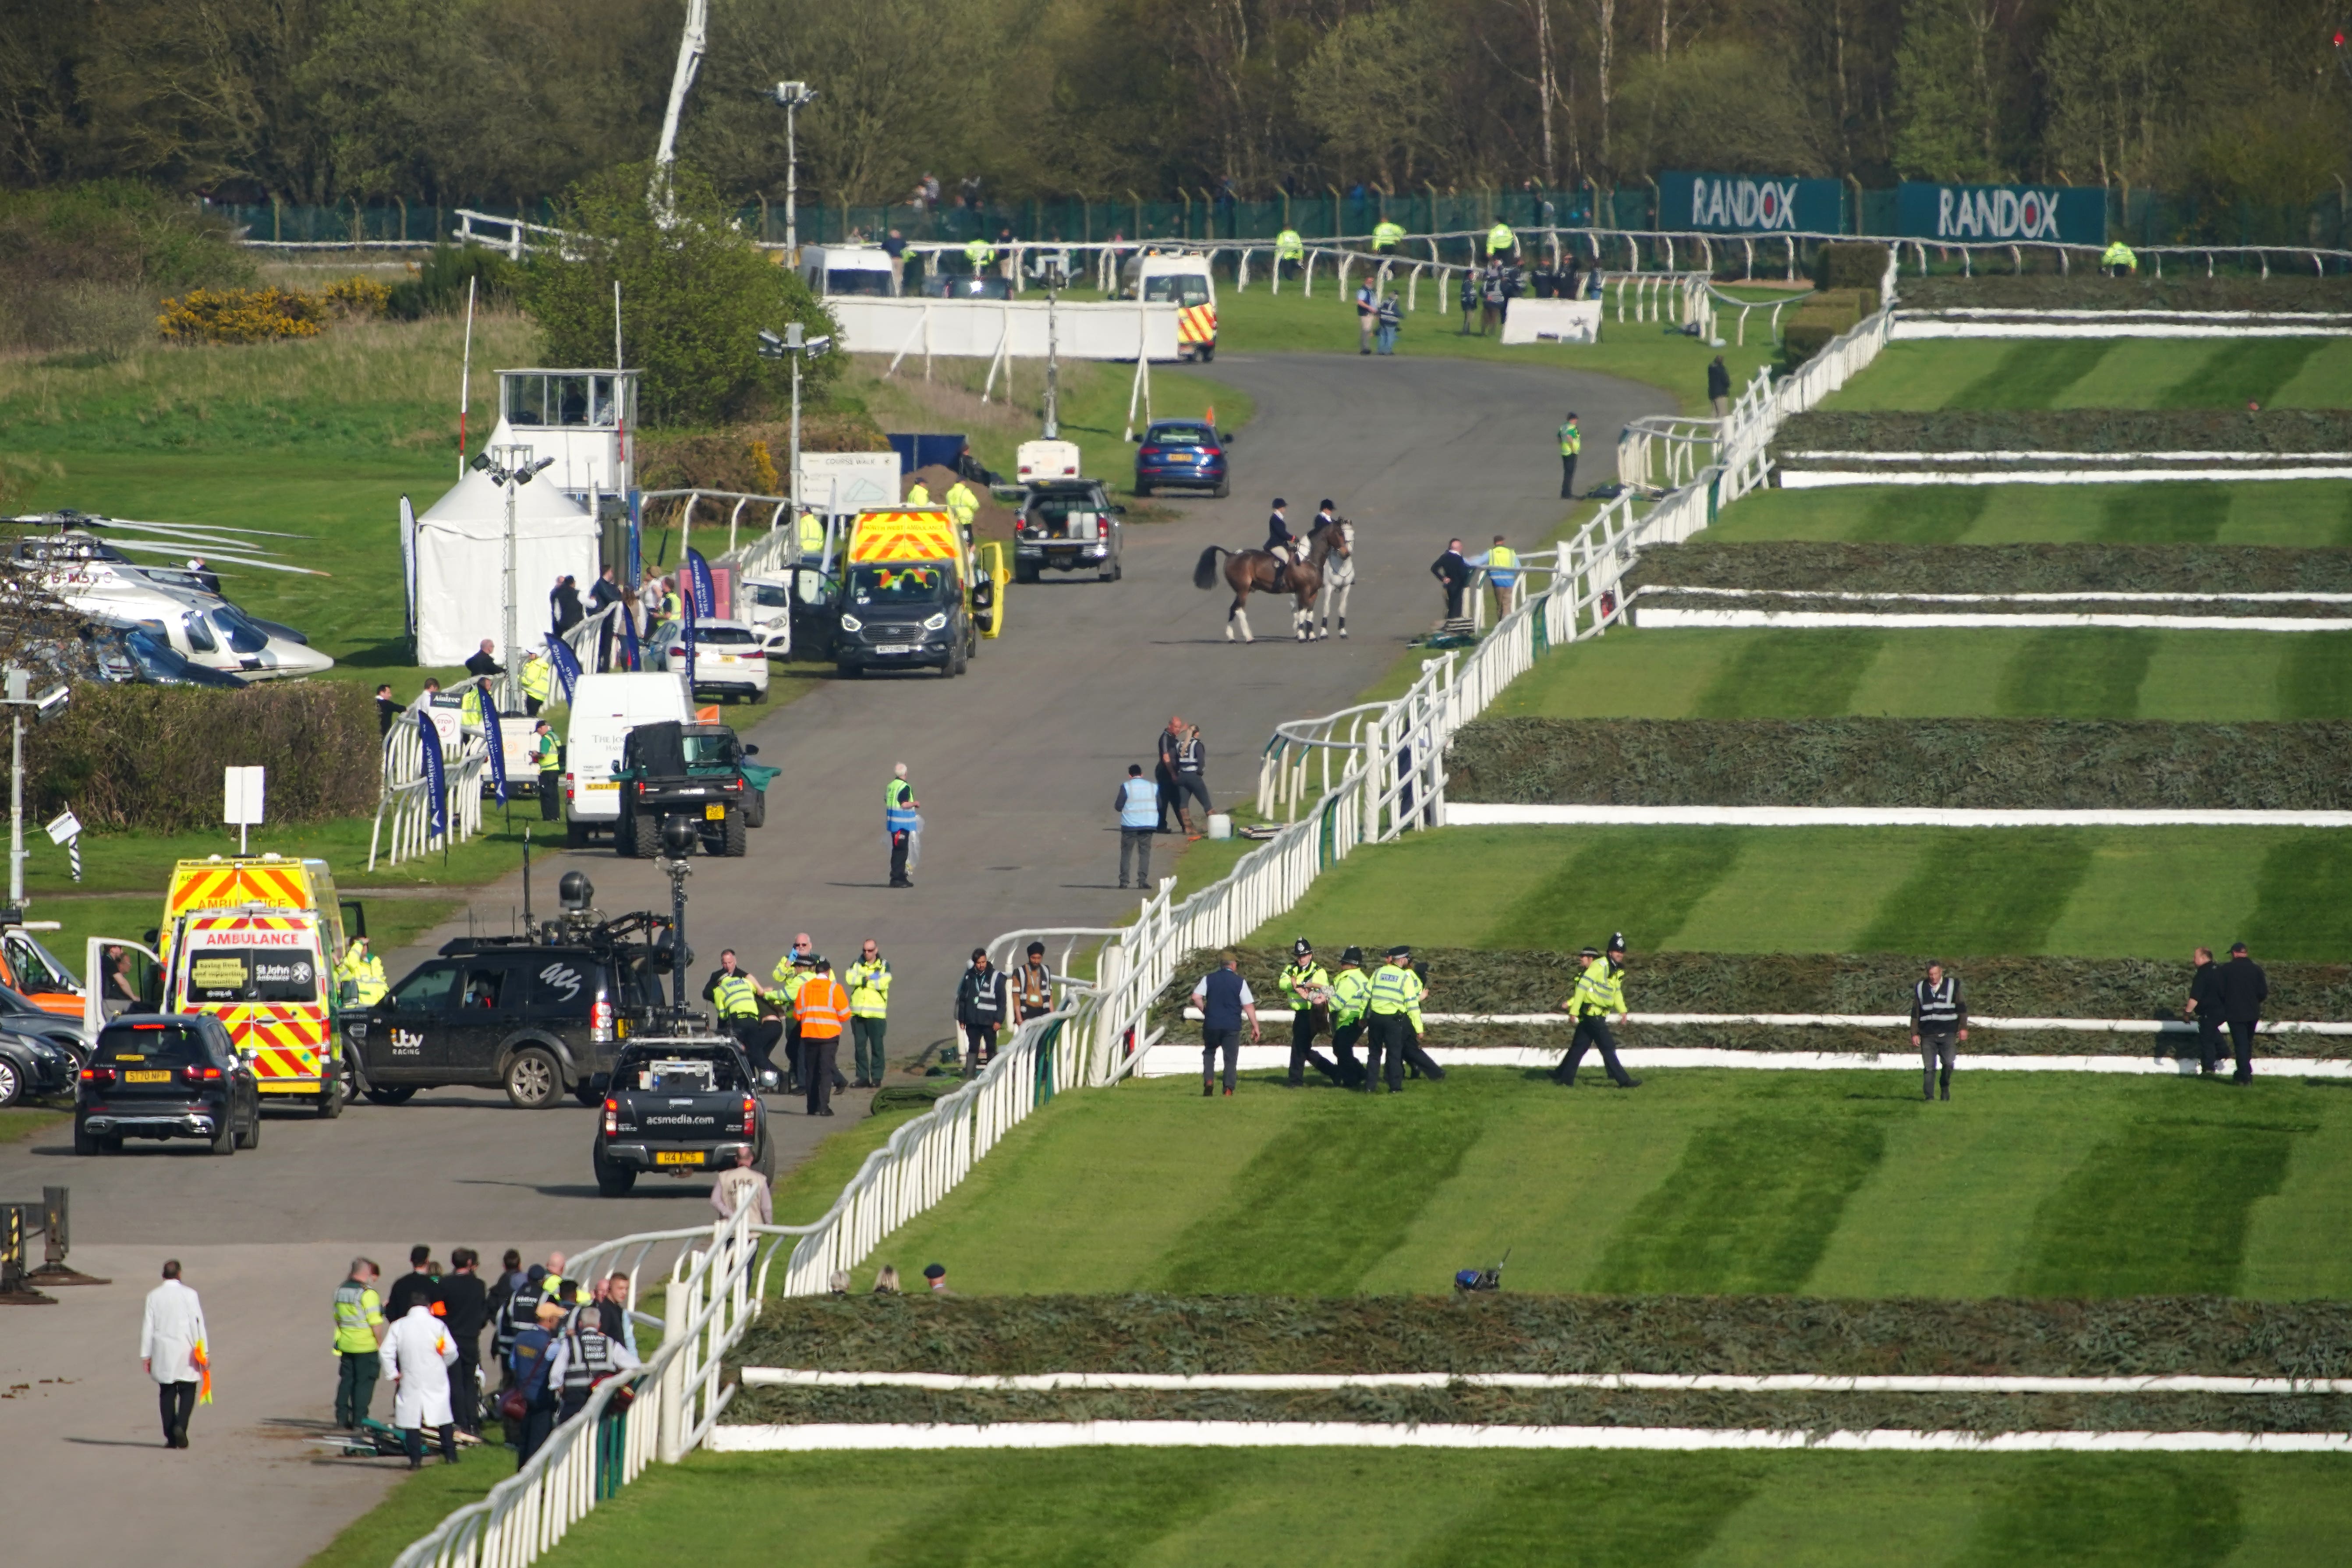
x,y
257,315
360,295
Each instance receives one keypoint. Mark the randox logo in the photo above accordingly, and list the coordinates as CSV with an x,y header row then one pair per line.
x,y
1767,204
1995,212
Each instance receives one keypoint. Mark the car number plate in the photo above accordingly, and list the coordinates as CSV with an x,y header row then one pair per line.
x,y
895,647
664,1157
714,813
146,1078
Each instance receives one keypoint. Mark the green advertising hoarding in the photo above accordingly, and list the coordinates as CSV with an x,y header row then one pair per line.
x,y
1750,204
1992,214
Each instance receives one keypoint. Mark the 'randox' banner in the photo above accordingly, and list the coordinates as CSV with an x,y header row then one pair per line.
x,y
1995,214
1751,203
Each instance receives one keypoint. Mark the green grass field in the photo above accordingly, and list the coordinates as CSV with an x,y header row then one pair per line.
x,y
1710,1183
1195,1508
2114,373
2086,892
2295,512
2061,672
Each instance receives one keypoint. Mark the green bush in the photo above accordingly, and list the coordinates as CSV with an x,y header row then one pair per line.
x,y
1946,764
1850,568
1811,330
1851,264
2280,430
151,757
438,288
2087,291
81,266
1478,980
2143,1336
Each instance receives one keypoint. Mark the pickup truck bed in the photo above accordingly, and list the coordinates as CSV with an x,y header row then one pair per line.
x,y
680,1107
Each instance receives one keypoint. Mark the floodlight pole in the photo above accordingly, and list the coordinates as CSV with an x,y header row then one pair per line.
x,y
16,794
1053,352
793,216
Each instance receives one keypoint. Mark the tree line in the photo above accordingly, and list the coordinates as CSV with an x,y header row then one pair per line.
x,y
510,101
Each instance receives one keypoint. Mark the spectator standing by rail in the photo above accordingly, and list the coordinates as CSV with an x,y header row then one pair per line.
x,y
387,711
979,1010
1501,563
1939,1019
741,1185
1192,780
1138,805
1718,387
1368,311
1453,572
173,1349
359,1339
1225,1000
2244,989
1033,984
2207,1011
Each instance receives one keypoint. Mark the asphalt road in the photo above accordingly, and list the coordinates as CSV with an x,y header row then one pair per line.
x,y
1015,765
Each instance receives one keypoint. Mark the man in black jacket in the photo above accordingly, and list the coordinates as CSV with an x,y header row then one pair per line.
x,y
2244,989
410,1287
2205,1011
1451,570
1718,387
484,661
979,1009
465,1304
387,711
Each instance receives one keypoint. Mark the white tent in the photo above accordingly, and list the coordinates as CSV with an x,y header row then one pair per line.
x,y
458,574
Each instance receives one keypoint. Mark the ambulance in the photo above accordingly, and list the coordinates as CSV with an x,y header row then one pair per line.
x,y
1185,282
254,940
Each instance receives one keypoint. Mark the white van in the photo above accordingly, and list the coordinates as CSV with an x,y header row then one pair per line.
x,y
604,709
833,270
1185,281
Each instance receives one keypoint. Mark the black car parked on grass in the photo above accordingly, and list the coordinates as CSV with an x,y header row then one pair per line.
x,y
166,1075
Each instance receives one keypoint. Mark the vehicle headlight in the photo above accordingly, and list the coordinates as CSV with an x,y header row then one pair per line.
x,y
850,623
937,623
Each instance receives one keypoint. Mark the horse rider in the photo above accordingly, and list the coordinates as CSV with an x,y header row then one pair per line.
x,y
1280,542
1326,516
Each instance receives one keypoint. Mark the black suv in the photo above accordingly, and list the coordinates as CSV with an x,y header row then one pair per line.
x,y
679,1105
534,1018
668,770
166,1075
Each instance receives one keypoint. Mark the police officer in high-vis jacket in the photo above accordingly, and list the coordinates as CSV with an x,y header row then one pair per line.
x,y
1599,992
1394,1009
1351,988
1306,987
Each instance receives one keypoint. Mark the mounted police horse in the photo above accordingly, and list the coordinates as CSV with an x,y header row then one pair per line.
x,y
1255,571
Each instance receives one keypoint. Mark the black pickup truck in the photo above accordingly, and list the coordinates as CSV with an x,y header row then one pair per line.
x,y
697,772
681,1105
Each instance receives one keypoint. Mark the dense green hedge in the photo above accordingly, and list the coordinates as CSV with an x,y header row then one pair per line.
x,y
1507,1333
1851,264
151,756
2183,289
2075,764
1813,327
1830,567
1477,980
2069,430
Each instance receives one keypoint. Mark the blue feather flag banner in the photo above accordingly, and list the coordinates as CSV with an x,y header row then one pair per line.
x,y
436,781
494,733
566,663
706,593
686,624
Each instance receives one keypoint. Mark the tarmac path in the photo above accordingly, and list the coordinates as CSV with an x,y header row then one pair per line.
x,y
1015,765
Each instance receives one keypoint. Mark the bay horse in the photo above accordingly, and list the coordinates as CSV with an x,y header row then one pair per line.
x,y
1253,571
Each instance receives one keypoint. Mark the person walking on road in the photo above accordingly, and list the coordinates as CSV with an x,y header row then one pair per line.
x,y
1138,805
869,1013
175,1350
823,1009
1164,773
1453,572
1718,387
418,1355
2244,989
1192,781
1940,1020
1226,1002
1306,987
1600,991
979,1010
359,1337
741,1186
1394,1006
2207,1011
1571,447
465,1307
900,824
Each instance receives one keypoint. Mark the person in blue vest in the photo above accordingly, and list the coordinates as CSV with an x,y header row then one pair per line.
x,y
900,824
1138,818
1225,1000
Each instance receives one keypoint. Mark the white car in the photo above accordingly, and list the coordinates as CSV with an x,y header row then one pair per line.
x,y
731,657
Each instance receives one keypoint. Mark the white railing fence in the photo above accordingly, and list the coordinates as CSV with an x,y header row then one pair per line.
x,y
403,812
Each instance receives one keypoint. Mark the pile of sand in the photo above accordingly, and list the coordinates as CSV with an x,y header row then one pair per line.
x,y
993,521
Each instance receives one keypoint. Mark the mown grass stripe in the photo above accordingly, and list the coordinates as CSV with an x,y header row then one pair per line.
x,y
2128,1512
2160,1207
2168,511
2251,369
1909,515
1813,675
1660,876
2077,672
1327,1196
1749,1209
1098,1514
1579,1518
2315,677
1981,892
2032,375
2303,902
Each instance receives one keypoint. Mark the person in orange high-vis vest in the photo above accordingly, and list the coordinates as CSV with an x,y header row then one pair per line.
x,y
823,1008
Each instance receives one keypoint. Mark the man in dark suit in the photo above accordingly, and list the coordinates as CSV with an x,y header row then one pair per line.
x,y
466,1303
2204,1010
2244,989
481,662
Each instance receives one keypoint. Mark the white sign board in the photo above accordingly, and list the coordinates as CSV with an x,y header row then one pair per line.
x,y
68,824
849,482
1551,322
241,796
983,329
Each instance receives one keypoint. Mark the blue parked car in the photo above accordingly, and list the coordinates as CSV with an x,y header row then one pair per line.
x,y
1183,452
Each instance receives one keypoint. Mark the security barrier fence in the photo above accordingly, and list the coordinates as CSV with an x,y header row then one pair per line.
x,y
1389,762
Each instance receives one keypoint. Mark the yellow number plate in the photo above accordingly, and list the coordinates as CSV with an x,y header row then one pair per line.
x,y
146,1078
665,1158
714,813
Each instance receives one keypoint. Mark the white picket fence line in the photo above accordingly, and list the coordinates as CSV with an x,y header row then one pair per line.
x,y
1499,814
1661,1381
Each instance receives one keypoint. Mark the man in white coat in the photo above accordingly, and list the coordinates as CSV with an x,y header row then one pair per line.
x,y
418,1352
172,1348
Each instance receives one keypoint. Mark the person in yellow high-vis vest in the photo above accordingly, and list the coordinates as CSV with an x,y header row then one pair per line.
x,y
919,494
1600,991
1502,564
1501,241
1387,235
868,980
962,504
1289,250
1572,443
